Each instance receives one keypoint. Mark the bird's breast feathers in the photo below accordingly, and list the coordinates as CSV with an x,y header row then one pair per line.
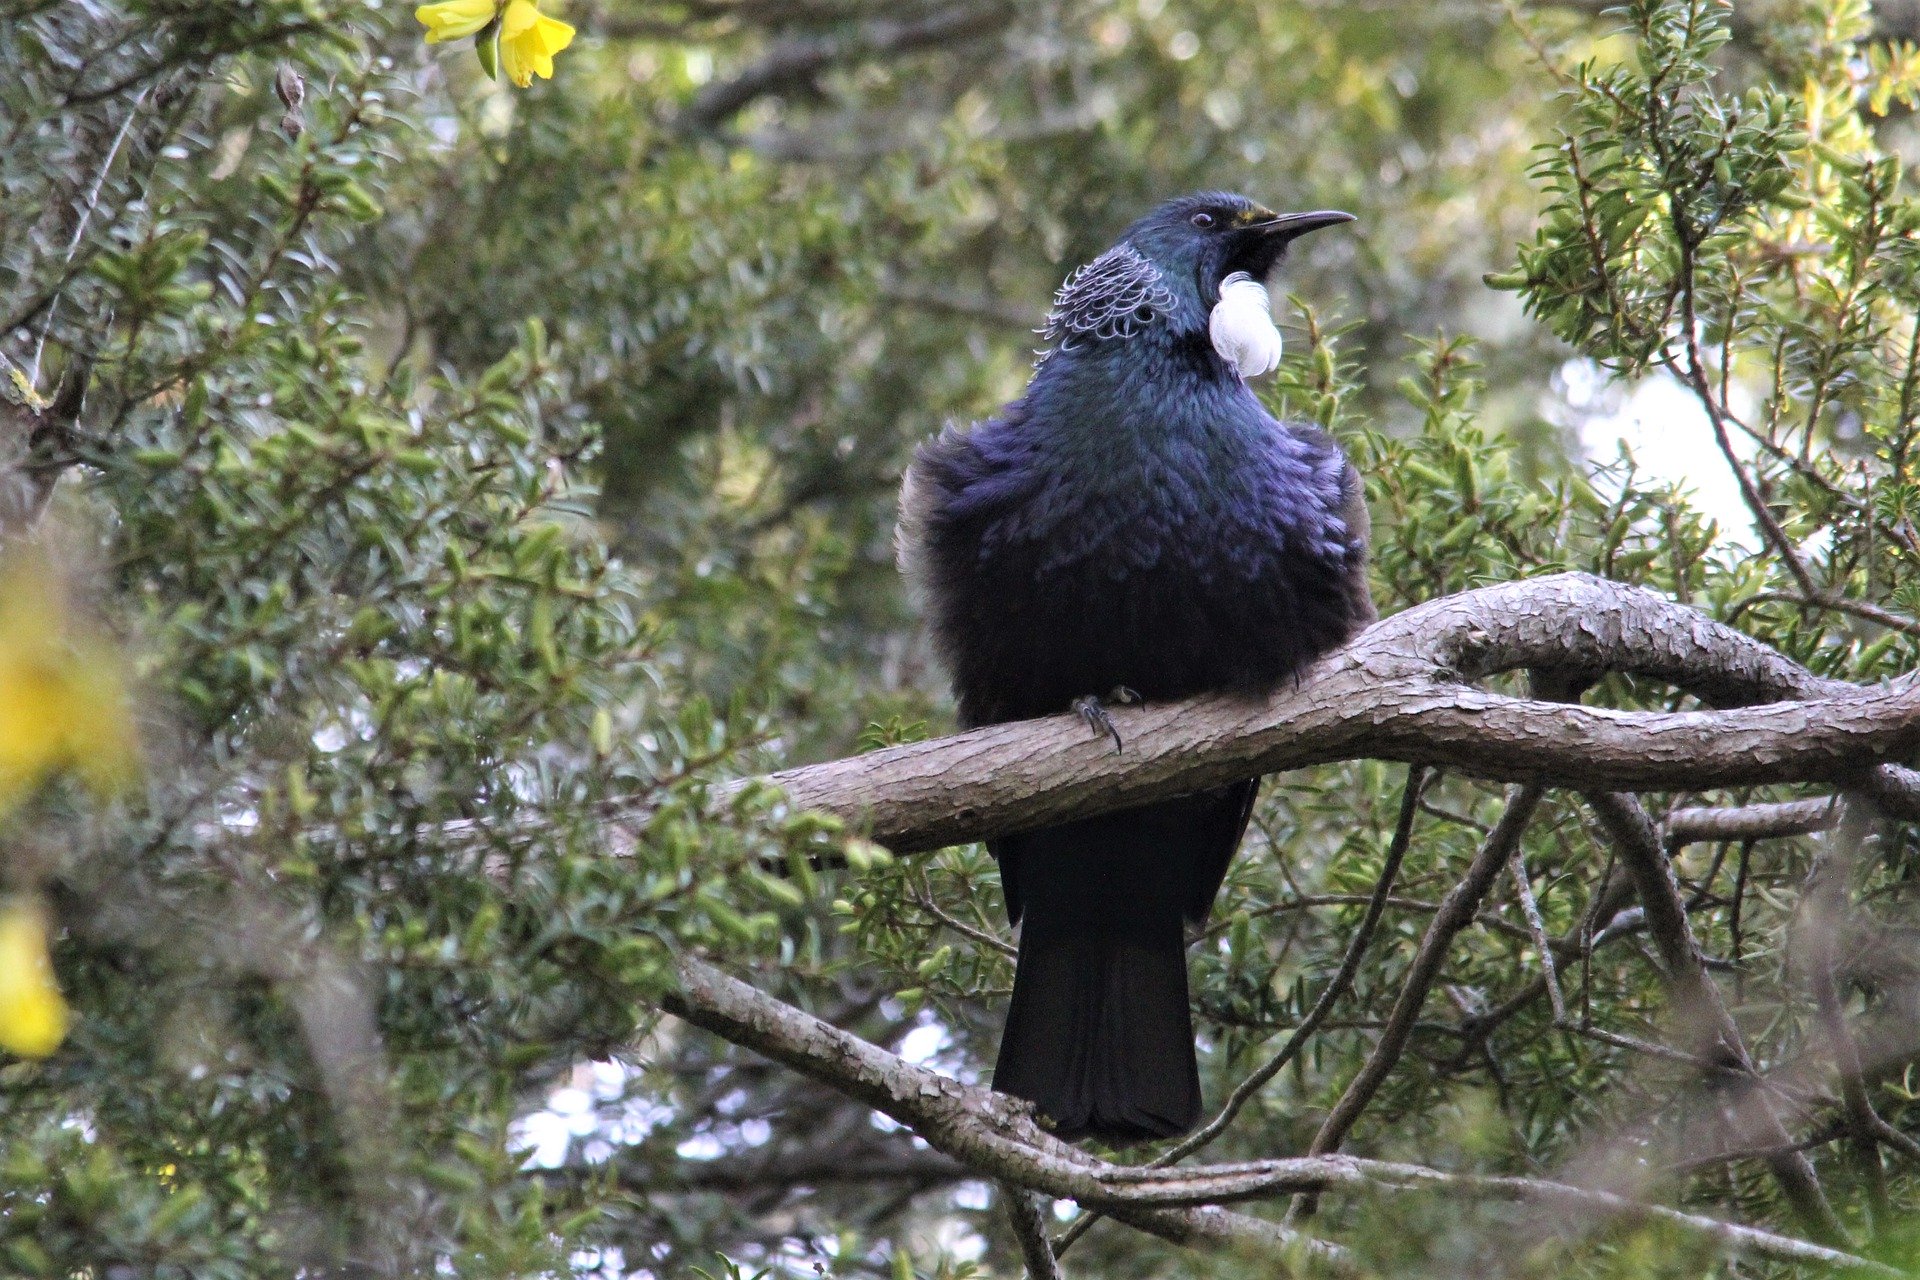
x,y
1209,504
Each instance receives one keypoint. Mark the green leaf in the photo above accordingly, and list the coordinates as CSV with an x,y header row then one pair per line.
x,y
486,44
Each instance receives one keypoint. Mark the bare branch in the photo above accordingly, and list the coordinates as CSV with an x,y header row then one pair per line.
x,y
1400,692
793,63
1747,822
988,1131
1699,1008
995,1135
1537,926
1456,912
1030,1229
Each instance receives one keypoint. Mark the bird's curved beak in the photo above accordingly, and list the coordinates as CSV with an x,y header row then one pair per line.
x,y
1260,242
1286,227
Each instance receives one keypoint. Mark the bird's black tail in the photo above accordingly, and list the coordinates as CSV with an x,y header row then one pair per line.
x,y
1099,1037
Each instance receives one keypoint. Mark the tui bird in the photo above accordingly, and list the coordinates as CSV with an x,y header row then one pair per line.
x,y
1137,523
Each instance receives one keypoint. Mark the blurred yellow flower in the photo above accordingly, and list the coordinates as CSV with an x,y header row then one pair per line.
x,y
523,39
33,1017
455,19
62,705
528,41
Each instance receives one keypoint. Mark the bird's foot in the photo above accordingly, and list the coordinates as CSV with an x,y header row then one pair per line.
x,y
1093,709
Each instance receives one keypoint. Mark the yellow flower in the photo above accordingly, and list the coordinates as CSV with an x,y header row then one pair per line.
x,y
528,41
61,702
33,1017
455,19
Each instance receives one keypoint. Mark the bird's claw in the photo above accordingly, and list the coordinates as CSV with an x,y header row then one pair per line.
x,y
1094,711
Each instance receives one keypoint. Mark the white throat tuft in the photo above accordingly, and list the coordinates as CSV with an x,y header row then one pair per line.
x,y
1242,327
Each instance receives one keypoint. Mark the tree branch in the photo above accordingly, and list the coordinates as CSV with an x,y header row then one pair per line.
x,y
1700,1010
996,1136
793,63
990,1132
1030,1229
1747,822
1401,691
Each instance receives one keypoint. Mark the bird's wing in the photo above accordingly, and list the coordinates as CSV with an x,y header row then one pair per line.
x,y
1197,834
1220,820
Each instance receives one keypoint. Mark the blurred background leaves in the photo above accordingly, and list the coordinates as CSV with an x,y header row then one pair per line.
x,y
475,477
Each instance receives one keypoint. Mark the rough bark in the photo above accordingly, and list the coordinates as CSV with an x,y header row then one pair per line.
x,y
988,1131
1406,689
997,1136
1403,690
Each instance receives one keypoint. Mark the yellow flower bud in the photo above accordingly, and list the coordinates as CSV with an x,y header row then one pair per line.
x,y
61,702
454,19
33,1017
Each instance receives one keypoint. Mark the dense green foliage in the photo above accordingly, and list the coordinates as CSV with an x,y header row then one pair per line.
x,y
465,471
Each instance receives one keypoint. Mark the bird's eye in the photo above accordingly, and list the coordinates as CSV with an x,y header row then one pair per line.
x,y
1202,220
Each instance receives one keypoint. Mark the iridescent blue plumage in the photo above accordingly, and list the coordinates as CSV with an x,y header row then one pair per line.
x,y
1136,519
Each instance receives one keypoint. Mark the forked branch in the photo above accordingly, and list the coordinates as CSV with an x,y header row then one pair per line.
x,y
1405,690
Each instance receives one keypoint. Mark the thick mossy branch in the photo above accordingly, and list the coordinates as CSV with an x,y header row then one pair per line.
x,y
1404,690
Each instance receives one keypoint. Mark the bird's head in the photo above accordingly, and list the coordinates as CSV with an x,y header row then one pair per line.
x,y
1196,265
1198,241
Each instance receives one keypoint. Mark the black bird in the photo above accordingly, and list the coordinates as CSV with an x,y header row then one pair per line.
x,y
1136,522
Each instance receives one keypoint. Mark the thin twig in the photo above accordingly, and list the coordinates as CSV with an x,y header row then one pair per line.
x,y
926,903
1244,1092
1030,1229
1693,1163
1456,913
1648,1047
1517,865
80,229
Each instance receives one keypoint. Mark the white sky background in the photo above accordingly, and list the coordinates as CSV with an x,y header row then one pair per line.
x,y
1663,427
592,1113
